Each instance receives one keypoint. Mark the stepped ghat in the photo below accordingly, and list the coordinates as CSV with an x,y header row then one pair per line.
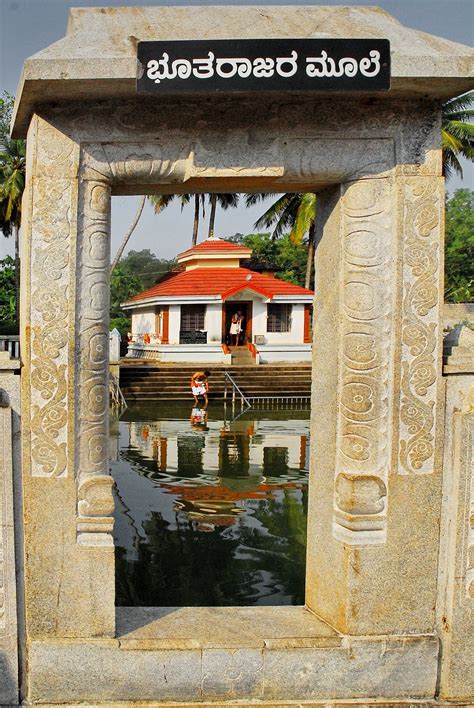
x,y
284,382
389,572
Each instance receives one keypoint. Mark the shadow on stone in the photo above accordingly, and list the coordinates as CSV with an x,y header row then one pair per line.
x,y
8,683
128,619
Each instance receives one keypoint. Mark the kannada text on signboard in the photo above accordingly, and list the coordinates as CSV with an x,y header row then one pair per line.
x,y
246,65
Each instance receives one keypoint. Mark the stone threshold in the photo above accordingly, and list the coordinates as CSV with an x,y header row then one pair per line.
x,y
222,627
330,703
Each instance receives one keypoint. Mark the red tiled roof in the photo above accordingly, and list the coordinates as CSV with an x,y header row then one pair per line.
x,y
215,245
219,281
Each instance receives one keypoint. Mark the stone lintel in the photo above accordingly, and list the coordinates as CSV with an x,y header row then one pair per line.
x,y
97,58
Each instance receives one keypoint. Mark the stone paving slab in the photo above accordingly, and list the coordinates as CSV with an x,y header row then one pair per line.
x,y
364,668
217,627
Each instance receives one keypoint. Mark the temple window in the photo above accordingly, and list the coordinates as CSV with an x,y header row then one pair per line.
x,y
192,317
278,318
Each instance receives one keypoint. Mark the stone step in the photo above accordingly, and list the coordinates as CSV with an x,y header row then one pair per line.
x,y
215,381
213,395
172,382
211,367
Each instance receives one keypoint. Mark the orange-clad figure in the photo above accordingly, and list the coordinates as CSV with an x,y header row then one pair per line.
x,y
200,386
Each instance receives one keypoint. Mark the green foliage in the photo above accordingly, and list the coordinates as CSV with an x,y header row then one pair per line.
x,y
12,184
146,266
457,132
135,273
12,169
289,257
7,292
459,248
120,323
123,285
6,109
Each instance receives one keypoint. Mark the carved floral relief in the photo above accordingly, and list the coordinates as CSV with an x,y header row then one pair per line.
x,y
420,316
467,462
50,234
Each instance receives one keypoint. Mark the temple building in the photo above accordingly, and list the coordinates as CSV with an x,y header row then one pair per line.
x,y
187,316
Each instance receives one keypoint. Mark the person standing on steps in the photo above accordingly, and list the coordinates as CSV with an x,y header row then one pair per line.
x,y
200,386
241,325
235,328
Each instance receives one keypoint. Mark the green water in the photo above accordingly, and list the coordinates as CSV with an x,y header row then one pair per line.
x,y
210,509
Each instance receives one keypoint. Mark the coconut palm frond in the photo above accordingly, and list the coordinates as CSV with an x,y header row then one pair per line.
x,y
459,103
184,199
160,201
274,211
227,201
463,131
256,197
305,216
457,133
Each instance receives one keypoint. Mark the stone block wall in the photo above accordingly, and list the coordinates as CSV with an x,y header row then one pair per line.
x,y
455,610
9,460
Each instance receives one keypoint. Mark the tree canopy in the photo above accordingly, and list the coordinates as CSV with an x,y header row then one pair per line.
x,y
290,258
7,296
459,246
135,273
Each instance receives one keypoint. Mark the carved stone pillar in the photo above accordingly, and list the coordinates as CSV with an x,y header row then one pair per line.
x,y
69,587
373,531
95,501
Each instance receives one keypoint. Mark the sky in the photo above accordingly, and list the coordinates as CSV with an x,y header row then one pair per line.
x,y
27,26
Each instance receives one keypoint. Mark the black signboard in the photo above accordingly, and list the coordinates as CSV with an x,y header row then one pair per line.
x,y
264,65
194,337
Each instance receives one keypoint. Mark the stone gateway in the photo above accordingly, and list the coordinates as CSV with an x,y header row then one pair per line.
x,y
389,594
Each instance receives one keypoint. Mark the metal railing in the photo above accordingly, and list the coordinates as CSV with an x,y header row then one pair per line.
x,y
282,401
10,343
235,391
115,393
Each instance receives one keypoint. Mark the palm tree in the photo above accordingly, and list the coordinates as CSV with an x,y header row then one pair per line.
x,y
294,211
130,231
160,202
12,185
298,211
457,131
199,202
225,201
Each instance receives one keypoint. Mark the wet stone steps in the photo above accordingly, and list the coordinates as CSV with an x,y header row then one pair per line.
x,y
168,382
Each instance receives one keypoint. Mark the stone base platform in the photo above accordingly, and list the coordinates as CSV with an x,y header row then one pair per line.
x,y
265,656
409,703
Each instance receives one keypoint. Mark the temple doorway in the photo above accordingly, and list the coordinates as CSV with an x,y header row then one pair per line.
x,y
230,308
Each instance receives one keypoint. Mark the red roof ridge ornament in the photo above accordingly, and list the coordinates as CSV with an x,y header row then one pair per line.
x,y
216,246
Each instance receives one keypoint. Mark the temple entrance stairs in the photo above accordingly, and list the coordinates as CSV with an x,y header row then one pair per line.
x,y
142,382
241,356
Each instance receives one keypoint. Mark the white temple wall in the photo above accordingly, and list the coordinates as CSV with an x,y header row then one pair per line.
x,y
259,318
174,323
259,325
143,321
213,323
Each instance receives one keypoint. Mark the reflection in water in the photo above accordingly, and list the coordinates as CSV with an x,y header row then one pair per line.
x,y
210,511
